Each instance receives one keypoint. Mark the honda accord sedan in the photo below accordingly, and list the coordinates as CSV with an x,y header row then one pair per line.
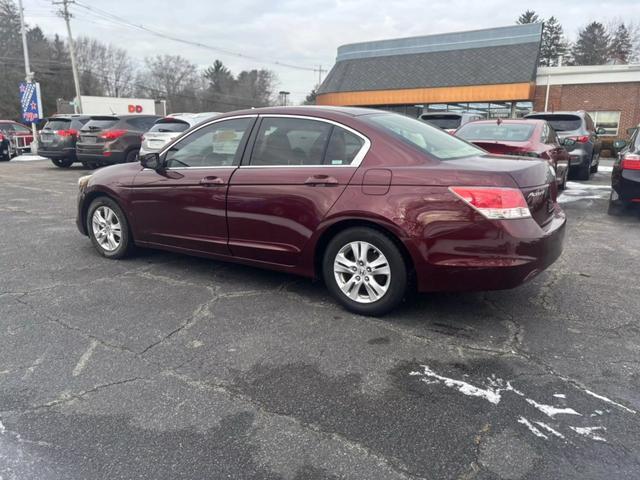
x,y
374,203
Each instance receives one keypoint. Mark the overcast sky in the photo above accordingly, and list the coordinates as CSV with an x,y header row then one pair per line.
x,y
301,32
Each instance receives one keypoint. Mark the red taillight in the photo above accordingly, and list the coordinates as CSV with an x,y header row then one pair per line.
x,y
1,137
581,138
112,134
495,203
67,133
630,161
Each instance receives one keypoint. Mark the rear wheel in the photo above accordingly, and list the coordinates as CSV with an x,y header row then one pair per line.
x,y
617,207
108,228
91,165
132,156
584,171
365,271
62,162
594,168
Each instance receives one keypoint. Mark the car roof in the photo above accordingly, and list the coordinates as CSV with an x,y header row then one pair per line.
x,y
121,117
528,121
578,113
313,110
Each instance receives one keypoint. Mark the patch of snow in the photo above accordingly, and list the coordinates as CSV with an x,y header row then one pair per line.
x,y
28,158
2,429
550,430
589,432
608,400
489,394
586,186
533,429
605,169
559,395
550,410
566,199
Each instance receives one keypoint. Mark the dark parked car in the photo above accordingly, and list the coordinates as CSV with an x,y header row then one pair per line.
x,y
625,177
109,139
525,138
579,126
57,139
367,200
16,139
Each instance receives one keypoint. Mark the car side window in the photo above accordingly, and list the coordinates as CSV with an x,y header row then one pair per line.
x,y
290,141
589,121
216,145
343,147
544,136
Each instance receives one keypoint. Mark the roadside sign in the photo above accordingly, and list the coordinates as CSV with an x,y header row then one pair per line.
x,y
30,102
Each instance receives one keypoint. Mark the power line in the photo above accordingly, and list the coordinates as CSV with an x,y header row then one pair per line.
x,y
123,21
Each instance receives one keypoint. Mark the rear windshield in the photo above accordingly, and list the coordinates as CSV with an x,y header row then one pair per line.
x,y
446,122
169,125
423,136
58,124
559,122
507,132
100,123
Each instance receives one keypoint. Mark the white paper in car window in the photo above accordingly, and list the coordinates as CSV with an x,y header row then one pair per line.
x,y
226,142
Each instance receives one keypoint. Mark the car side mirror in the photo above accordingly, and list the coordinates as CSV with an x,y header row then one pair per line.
x,y
619,144
152,161
567,142
601,131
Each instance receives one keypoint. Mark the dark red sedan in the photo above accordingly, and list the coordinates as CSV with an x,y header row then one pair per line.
x,y
369,201
524,138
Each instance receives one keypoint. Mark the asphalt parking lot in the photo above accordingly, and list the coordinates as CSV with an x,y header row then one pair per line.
x,y
164,366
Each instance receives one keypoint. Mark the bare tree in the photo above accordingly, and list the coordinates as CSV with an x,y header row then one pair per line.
x,y
173,77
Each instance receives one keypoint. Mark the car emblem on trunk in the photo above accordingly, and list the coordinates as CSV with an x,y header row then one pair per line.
x,y
534,196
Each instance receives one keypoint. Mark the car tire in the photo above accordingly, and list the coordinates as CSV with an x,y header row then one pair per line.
x,y
108,228
617,207
584,171
62,162
594,168
132,156
91,165
358,292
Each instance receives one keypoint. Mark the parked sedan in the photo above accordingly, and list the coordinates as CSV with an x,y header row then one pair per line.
x,y
450,121
109,139
367,200
528,138
625,177
168,128
16,139
57,139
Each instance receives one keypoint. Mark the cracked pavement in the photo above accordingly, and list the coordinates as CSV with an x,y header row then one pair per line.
x,y
166,366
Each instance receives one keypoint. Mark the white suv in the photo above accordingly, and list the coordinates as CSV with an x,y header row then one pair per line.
x,y
168,128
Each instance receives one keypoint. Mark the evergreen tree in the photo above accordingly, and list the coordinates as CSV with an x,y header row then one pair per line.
x,y
592,46
553,43
621,45
311,98
529,16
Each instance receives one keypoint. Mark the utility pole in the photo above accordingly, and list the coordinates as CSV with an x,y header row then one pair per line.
x,y
320,71
76,79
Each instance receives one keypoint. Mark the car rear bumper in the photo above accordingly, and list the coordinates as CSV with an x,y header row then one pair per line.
x,y
523,251
101,158
626,184
57,154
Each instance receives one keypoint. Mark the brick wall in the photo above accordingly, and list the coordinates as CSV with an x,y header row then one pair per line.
x,y
622,97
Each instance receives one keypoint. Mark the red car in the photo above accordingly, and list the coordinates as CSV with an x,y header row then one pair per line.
x,y
15,139
528,138
372,202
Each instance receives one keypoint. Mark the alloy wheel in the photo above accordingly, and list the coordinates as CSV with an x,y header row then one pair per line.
x,y
107,229
362,272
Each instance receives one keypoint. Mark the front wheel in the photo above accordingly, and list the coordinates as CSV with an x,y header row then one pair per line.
x,y
108,228
62,162
365,271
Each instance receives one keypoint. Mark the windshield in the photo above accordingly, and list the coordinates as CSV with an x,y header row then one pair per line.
x,y
446,122
172,125
561,123
100,124
425,137
506,132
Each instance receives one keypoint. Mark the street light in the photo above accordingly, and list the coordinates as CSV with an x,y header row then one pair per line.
x,y
283,97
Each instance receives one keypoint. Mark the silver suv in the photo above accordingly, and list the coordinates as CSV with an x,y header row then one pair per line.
x,y
578,126
167,128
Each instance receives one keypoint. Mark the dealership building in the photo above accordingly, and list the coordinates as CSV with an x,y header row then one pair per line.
x,y
493,71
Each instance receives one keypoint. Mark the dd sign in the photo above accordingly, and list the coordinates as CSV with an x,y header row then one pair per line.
x,y
30,102
135,108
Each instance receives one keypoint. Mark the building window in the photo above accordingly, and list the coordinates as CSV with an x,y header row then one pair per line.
x,y
610,121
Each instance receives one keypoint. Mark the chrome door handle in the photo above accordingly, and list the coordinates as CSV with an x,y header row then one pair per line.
x,y
321,180
212,181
